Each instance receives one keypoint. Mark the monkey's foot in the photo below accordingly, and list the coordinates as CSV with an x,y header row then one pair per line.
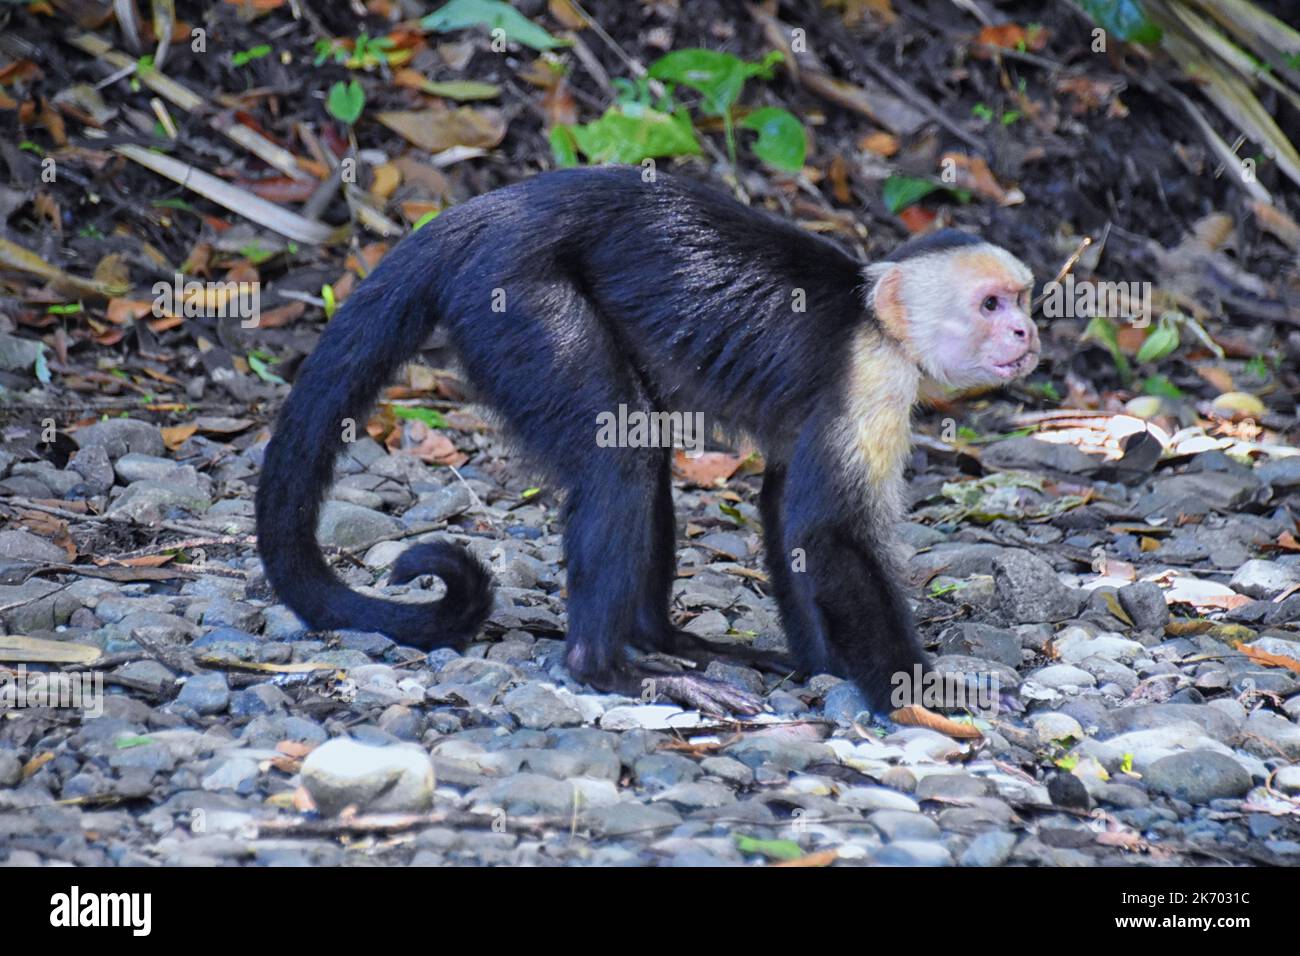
x,y
687,645
713,697
649,680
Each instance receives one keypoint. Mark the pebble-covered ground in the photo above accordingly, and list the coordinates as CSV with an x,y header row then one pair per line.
x,y
229,735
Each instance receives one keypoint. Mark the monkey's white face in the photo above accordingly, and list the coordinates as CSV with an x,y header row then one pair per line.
x,y
962,315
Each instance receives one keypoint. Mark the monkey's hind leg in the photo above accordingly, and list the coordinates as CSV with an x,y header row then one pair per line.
x,y
615,583
618,528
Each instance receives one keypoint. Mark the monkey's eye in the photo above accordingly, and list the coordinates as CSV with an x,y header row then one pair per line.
x,y
990,304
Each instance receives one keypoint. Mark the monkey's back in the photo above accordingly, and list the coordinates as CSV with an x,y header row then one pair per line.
x,y
708,299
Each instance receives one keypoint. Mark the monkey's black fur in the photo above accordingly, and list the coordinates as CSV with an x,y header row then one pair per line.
x,y
611,291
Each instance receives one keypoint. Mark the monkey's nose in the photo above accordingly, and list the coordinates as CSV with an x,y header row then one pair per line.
x,y
1023,328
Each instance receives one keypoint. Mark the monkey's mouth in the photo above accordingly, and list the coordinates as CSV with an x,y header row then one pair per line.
x,y
1017,367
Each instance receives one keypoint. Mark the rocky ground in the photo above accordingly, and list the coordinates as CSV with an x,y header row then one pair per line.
x,y
229,735
1136,601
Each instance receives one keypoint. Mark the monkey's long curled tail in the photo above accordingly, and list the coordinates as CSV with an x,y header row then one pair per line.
x,y
381,326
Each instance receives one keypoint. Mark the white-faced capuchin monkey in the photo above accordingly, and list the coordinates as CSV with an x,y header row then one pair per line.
x,y
577,291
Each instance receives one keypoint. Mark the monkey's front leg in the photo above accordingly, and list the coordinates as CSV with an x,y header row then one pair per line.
x,y
841,603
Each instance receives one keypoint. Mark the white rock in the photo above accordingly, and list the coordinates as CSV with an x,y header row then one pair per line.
x,y
1264,579
1051,725
1062,677
1287,780
392,779
650,717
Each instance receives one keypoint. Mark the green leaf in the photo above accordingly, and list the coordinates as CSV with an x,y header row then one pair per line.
x,y
174,202
255,253
732,512
1124,18
429,416
1160,386
41,367
424,220
564,146
346,101
331,303
781,139
899,192
1102,331
259,362
125,743
493,14
772,849
244,57
631,133
1160,341
718,77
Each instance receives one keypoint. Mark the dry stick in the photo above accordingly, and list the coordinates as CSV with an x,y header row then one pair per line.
x,y
185,545
1070,263
904,90
630,62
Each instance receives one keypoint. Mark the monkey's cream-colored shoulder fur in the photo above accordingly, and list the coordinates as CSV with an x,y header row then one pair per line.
x,y
882,388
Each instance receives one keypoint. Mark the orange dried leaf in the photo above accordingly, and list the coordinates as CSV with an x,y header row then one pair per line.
x,y
914,715
821,858
708,470
176,435
147,561
917,219
1269,660
880,143
1010,36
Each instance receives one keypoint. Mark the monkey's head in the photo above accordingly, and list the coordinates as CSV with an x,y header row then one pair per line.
x,y
959,307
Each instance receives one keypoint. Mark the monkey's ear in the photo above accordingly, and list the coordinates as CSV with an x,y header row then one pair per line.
x,y
887,301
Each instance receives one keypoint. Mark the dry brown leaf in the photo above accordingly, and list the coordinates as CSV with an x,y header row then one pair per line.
x,y
429,445
1216,376
282,315
568,14
387,178
1274,220
917,219
1269,660
1011,36
880,143
914,715
436,130
147,561
174,436
820,858
708,470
